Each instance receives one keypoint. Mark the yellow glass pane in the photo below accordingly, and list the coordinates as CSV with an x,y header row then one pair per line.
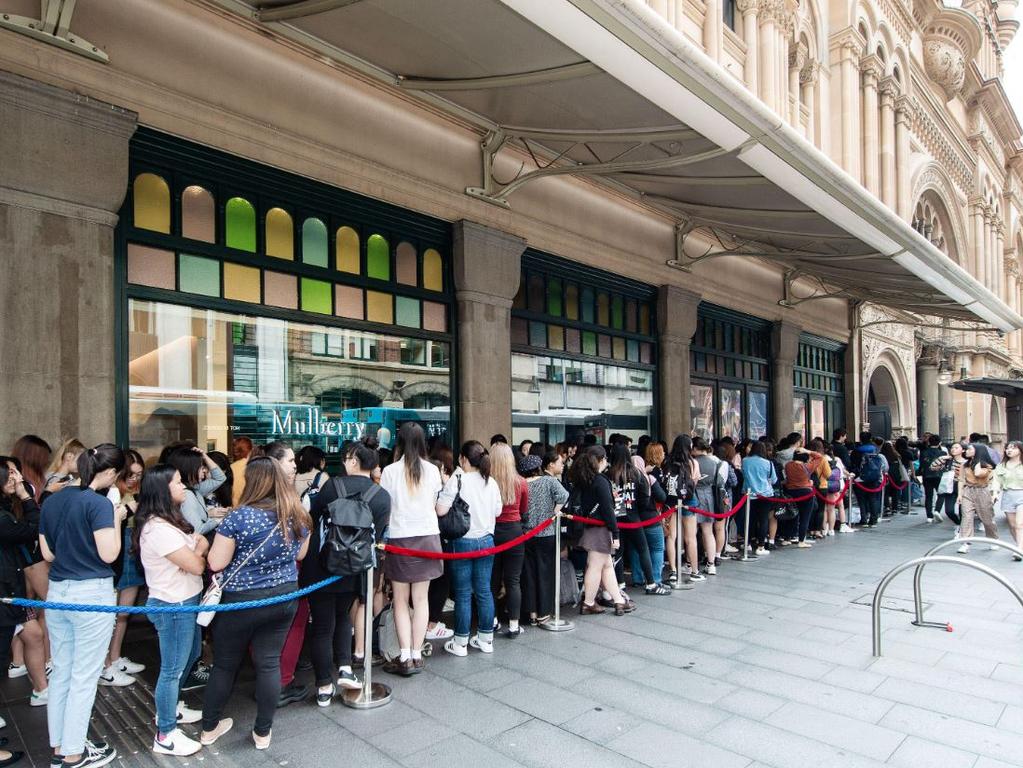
x,y
348,251
379,307
198,217
151,200
433,271
241,283
280,234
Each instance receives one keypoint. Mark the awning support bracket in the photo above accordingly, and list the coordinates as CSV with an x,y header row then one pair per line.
x,y
54,27
790,299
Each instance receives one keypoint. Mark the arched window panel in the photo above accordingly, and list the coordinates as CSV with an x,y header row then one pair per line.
x,y
406,266
198,214
280,234
151,203
348,259
314,243
433,270
240,224
378,258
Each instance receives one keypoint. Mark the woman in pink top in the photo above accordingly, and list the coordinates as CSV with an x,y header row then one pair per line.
x,y
508,564
173,558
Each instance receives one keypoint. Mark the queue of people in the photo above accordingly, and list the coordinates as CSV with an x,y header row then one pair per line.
x,y
98,526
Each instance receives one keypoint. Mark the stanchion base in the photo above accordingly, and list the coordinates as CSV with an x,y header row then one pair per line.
x,y
561,625
747,559
377,695
942,625
683,585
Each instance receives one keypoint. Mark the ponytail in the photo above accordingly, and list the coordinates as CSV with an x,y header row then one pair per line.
x,y
478,458
99,459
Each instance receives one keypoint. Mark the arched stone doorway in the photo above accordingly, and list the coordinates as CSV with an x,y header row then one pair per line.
x,y
883,411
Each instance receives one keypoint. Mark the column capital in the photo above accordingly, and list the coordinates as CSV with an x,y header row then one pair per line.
x,y
810,74
676,313
889,87
904,109
849,42
872,67
747,7
798,56
487,263
785,342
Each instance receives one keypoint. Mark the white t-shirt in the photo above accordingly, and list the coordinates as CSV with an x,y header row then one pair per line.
x,y
413,510
483,498
165,580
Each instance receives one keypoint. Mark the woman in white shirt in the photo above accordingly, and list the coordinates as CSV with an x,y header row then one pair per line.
x,y
413,484
472,481
173,557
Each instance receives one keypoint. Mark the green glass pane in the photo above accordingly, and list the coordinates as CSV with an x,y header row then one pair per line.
x,y
586,306
554,297
199,275
314,242
378,258
316,296
589,343
617,312
240,224
406,311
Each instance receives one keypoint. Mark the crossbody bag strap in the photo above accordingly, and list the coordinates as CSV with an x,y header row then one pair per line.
x,y
250,556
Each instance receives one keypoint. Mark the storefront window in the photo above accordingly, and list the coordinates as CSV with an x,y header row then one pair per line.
x,y
817,418
818,380
799,415
731,413
757,414
556,399
208,376
701,411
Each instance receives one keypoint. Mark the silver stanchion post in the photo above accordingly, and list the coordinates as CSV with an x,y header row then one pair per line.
x,y
745,558
372,695
681,581
884,485
557,624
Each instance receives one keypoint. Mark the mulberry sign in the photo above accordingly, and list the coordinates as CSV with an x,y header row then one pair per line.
x,y
308,421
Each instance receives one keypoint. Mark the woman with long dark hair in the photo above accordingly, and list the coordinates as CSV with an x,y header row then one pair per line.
x,y
950,468
201,477
255,550
679,478
507,571
471,578
596,500
413,484
1008,486
34,453
80,536
173,558
632,498
975,495
546,497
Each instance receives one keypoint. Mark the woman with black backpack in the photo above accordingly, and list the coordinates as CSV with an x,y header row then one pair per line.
x,y
330,606
678,477
471,485
632,499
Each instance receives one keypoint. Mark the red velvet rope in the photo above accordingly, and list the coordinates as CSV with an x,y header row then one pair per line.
x,y
648,523
895,485
466,555
813,492
720,515
868,489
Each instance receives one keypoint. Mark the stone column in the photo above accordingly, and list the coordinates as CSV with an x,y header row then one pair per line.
x,y
854,381
888,92
63,177
927,390
751,28
903,205
1012,299
712,23
989,247
797,60
870,67
808,78
979,260
851,116
784,349
676,324
1000,259
487,266
768,65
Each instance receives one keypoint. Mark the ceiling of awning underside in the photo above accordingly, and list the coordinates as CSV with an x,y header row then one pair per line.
x,y
467,39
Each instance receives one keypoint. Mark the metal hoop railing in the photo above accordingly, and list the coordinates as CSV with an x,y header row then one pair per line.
x,y
918,601
879,592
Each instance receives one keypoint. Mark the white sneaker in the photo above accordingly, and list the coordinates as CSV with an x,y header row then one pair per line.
x,y
16,670
481,645
449,605
456,648
440,631
115,677
729,549
128,666
188,716
176,743
964,549
39,698
712,570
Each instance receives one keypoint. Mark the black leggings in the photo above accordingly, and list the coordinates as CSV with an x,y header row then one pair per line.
x,y
636,538
930,489
265,629
947,504
538,576
330,620
805,508
440,589
508,569
760,521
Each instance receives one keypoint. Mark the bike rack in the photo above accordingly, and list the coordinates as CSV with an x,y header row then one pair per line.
x,y
918,602
920,561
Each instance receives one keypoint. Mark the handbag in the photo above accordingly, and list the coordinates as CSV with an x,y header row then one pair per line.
x,y
455,524
215,591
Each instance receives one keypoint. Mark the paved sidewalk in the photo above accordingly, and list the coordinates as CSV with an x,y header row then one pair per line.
x,y
768,664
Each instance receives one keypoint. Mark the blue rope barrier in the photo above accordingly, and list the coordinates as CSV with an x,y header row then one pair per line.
x,y
23,602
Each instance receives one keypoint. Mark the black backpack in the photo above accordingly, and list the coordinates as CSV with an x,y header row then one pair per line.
x,y
347,535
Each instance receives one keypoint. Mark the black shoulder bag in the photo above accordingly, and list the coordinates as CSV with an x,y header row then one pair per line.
x,y
455,524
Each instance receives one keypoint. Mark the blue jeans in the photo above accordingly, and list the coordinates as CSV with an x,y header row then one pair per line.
x,y
180,644
655,543
472,577
78,644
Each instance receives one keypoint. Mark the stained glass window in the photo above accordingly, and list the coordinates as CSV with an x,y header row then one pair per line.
x,y
280,234
407,268
241,283
197,274
314,243
348,259
151,199
198,215
378,258
433,270
240,224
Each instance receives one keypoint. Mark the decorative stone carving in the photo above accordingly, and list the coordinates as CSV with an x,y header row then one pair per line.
x,y
951,40
810,74
798,57
747,6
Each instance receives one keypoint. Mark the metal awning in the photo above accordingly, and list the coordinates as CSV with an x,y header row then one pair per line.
x,y
605,88
990,386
